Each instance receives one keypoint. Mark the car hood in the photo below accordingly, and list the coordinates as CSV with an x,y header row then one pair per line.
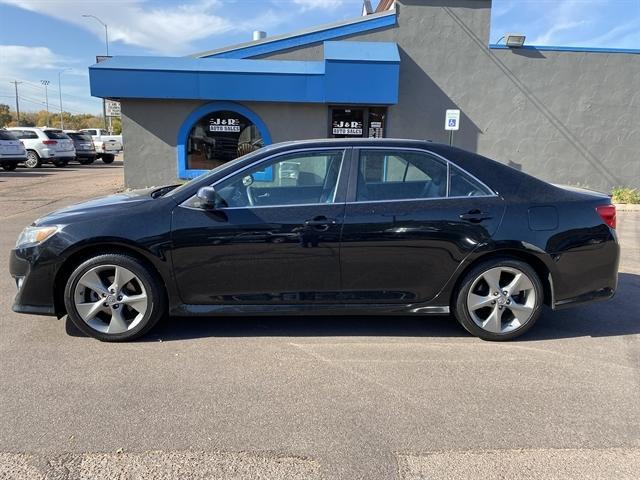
x,y
111,204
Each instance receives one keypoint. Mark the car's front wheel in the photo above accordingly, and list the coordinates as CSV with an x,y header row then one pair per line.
x,y
499,299
108,158
9,166
114,297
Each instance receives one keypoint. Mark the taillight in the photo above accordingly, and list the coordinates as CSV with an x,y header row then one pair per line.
x,y
49,142
608,214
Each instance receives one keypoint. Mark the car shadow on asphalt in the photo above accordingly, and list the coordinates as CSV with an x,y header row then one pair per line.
x,y
617,317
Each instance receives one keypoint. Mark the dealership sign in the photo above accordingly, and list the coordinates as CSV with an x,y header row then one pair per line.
x,y
340,127
224,125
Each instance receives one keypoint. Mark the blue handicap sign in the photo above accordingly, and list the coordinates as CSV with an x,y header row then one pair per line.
x,y
452,122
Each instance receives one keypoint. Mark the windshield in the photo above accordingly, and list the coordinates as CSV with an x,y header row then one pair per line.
x,y
218,169
56,134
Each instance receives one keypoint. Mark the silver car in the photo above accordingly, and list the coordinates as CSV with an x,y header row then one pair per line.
x,y
12,151
45,145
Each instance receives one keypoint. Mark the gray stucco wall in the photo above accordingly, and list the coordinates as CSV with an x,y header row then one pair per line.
x,y
151,130
566,117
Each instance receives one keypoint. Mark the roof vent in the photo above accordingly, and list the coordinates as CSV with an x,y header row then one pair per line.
x,y
259,35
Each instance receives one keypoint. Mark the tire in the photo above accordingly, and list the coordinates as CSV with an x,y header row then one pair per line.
x,y
60,163
86,161
95,309
9,167
33,160
490,313
108,158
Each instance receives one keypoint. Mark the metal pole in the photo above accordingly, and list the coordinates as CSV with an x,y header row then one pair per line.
x,y
15,84
106,37
450,137
46,97
60,92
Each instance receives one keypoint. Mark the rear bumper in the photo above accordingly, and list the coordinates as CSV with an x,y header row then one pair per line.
x,y
86,155
10,159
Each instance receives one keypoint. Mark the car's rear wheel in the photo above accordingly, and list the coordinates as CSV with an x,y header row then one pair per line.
x,y
114,297
9,166
108,158
499,299
60,163
86,161
33,160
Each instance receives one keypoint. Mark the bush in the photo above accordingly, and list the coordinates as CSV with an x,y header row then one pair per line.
x,y
625,195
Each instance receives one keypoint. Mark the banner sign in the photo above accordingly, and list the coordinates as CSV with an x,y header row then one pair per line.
x,y
340,127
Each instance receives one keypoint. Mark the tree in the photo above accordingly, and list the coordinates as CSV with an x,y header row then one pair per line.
x,y
5,115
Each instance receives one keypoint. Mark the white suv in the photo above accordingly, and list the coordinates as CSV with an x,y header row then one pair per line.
x,y
12,150
45,145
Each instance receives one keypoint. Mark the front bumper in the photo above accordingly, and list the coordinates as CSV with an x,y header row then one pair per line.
x,y
34,279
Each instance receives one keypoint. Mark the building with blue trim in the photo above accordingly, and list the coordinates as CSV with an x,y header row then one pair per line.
x,y
568,115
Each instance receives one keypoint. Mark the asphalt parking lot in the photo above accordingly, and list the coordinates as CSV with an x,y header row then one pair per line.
x,y
321,398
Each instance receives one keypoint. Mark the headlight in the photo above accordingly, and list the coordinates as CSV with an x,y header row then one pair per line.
x,y
32,236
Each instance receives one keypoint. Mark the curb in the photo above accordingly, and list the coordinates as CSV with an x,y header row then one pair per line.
x,y
627,207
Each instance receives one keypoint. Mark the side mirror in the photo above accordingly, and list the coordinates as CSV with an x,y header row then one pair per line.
x,y
209,199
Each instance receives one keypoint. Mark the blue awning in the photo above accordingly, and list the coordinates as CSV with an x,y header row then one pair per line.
x,y
351,72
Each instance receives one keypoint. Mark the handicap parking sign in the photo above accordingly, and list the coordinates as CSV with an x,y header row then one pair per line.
x,y
452,120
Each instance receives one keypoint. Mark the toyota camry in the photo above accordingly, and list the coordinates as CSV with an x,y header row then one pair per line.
x,y
329,227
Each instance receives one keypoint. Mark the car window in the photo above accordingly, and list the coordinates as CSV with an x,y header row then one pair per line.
x,y
25,134
56,135
464,185
292,179
80,136
5,135
91,132
398,175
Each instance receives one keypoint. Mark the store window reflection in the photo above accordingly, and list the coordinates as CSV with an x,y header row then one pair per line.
x,y
219,137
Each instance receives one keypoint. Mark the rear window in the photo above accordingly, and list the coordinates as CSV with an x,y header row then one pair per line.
x,y
80,136
56,134
91,132
4,135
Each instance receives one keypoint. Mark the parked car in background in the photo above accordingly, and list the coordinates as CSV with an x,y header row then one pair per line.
x,y
391,227
85,150
45,145
107,146
12,151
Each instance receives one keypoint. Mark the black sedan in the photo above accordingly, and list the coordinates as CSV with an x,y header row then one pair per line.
x,y
345,227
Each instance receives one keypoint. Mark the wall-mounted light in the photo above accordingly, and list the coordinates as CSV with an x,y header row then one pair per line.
x,y
514,40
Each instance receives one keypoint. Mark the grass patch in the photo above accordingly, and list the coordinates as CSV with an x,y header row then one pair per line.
x,y
625,195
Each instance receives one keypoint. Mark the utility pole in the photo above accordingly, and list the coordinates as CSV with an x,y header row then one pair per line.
x,y
15,84
46,97
60,92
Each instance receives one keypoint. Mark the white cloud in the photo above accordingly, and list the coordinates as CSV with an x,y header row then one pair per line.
x,y
310,4
169,29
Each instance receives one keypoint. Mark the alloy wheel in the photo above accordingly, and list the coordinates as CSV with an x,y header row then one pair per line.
x,y
32,160
501,299
110,299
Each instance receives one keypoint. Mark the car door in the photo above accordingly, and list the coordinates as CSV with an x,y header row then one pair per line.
x,y
273,239
411,218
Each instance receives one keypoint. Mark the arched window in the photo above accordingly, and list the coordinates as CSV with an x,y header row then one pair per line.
x,y
219,137
216,133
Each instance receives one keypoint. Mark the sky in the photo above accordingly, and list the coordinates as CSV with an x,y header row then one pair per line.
x,y
41,38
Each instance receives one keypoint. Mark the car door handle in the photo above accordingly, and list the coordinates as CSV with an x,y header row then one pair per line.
x,y
320,221
475,216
